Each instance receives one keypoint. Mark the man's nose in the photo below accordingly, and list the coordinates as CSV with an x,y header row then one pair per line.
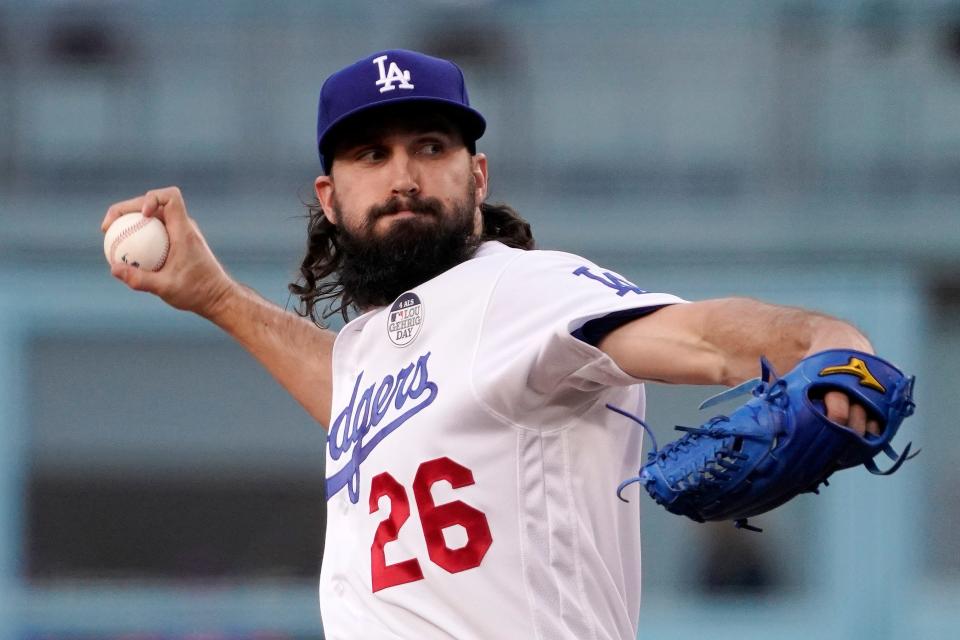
x,y
406,181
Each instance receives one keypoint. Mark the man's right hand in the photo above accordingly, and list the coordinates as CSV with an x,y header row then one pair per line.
x,y
192,279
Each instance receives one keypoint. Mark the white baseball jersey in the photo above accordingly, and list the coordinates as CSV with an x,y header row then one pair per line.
x,y
472,466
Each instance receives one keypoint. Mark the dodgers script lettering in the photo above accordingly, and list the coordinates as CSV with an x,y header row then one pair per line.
x,y
377,411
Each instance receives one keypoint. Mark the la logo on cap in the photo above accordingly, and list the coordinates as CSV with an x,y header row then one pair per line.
x,y
389,76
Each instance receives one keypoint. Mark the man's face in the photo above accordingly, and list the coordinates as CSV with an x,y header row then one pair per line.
x,y
404,192
389,161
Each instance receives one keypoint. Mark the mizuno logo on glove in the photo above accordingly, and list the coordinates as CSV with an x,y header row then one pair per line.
x,y
856,367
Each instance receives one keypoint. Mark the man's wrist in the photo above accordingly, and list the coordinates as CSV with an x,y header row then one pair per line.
x,y
830,333
223,302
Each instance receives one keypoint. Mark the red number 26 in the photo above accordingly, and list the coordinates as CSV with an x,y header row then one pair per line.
x,y
434,519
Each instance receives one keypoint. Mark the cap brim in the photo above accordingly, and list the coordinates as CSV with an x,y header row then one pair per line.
x,y
472,123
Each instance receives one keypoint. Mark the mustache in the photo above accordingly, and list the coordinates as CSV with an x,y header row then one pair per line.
x,y
425,206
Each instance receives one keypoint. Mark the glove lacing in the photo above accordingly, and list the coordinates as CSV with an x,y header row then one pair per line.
x,y
714,471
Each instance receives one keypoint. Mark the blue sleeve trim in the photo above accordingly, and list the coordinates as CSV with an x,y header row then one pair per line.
x,y
593,331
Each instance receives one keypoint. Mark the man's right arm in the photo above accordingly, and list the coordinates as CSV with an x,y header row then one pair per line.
x,y
295,351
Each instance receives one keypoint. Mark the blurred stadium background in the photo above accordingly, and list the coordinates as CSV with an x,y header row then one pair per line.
x,y
156,484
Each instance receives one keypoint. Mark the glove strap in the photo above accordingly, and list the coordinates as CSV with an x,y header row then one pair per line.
x,y
754,385
638,421
727,394
653,438
892,454
743,524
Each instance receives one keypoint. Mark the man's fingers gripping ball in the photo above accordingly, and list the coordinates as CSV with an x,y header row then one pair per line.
x,y
157,203
136,279
121,208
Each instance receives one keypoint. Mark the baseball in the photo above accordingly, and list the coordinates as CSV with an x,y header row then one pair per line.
x,y
140,242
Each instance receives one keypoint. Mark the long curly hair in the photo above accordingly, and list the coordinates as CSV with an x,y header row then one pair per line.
x,y
319,281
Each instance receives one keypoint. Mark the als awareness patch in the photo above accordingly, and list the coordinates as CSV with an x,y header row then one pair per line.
x,y
405,319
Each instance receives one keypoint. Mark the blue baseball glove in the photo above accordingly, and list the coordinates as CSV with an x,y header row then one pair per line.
x,y
780,443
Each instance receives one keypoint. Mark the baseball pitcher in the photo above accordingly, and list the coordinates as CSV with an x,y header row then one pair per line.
x,y
480,403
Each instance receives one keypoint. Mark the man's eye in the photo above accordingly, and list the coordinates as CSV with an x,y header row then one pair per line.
x,y
370,155
431,148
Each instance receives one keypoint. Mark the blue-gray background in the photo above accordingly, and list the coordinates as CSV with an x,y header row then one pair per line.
x,y
155,483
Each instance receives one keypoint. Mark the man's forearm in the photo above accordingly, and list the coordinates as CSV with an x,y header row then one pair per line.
x,y
720,341
294,350
743,330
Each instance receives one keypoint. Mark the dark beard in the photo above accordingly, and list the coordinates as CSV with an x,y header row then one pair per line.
x,y
374,270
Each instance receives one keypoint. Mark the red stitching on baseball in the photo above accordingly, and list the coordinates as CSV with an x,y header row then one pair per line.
x,y
129,231
163,256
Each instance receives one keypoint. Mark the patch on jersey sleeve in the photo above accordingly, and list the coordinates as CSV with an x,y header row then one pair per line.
x,y
405,319
611,280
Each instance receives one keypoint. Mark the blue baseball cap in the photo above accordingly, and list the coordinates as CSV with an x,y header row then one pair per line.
x,y
390,77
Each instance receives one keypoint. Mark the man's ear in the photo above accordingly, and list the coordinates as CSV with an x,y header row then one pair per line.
x,y
323,186
479,169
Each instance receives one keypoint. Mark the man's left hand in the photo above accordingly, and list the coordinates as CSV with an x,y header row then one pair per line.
x,y
852,415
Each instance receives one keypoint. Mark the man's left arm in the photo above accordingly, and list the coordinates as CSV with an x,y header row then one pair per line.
x,y
720,341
